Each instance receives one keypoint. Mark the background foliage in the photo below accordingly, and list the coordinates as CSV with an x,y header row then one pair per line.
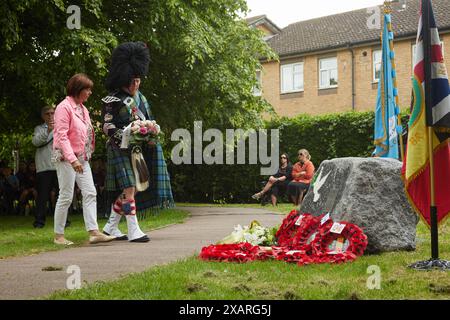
x,y
203,63
325,137
203,59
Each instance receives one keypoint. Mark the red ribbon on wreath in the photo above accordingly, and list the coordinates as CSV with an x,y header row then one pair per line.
x,y
240,252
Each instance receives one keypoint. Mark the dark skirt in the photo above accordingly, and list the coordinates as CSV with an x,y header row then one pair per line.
x,y
295,188
279,188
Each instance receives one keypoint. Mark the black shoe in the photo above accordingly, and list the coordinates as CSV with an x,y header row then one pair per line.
x,y
141,239
68,223
124,237
38,225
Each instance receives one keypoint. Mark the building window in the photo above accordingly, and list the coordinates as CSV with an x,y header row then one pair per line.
x,y
292,77
257,89
377,57
328,73
414,46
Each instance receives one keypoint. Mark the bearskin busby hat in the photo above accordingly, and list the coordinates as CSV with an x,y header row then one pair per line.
x,y
129,60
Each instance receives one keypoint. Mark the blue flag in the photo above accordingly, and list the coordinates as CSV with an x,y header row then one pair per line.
x,y
386,129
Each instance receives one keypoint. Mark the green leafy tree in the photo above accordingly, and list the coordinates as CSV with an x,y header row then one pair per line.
x,y
203,58
39,54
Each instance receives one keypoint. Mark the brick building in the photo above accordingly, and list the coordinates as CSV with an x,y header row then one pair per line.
x,y
331,64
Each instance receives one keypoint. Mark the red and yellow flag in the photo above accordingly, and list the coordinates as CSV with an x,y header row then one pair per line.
x,y
416,166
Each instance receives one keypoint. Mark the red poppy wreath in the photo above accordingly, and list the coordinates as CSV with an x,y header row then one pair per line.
x,y
287,229
338,243
300,239
296,241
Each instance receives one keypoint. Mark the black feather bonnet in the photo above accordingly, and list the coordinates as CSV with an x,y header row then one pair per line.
x,y
129,60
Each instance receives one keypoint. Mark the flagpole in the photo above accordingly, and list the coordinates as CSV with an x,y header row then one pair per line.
x,y
428,108
433,208
388,10
434,262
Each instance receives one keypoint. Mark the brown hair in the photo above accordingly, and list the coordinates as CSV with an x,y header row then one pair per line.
x,y
77,83
46,108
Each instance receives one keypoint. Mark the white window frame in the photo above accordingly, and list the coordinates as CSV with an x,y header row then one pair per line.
x,y
300,74
257,89
375,63
329,86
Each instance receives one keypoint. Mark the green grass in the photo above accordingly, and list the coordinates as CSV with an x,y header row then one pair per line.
x,y
19,238
195,279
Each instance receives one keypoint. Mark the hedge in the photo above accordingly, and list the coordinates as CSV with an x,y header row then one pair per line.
x,y
325,137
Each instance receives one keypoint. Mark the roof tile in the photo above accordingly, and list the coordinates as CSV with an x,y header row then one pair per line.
x,y
347,28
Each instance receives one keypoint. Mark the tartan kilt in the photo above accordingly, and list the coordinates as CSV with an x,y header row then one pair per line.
x,y
120,175
119,171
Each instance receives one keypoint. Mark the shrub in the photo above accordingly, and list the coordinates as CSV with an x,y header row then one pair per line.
x,y
325,137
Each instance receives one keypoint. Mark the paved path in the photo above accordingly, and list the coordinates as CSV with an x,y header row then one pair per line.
x,y
23,278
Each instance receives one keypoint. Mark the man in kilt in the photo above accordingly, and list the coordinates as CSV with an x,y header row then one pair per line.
x,y
123,105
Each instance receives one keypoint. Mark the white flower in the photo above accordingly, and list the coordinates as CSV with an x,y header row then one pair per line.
x,y
257,235
251,238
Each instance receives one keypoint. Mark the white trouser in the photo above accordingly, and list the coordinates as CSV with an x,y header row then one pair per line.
x,y
66,180
134,232
112,226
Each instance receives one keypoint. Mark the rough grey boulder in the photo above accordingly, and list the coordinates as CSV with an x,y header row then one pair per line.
x,y
369,193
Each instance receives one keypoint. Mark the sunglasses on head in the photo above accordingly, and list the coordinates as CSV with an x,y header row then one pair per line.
x,y
301,154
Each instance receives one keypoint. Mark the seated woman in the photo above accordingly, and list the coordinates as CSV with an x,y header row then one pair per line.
x,y
28,188
277,183
302,174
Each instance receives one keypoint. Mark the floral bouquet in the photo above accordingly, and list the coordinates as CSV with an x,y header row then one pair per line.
x,y
144,131
254,234
136,134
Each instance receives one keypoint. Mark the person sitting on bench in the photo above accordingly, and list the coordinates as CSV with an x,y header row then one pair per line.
x,y
277,184
302,174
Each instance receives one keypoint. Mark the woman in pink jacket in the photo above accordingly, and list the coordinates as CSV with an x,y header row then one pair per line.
x,y
73,145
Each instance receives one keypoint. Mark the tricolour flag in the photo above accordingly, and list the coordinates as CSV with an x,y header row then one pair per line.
x,y
416,167
387,131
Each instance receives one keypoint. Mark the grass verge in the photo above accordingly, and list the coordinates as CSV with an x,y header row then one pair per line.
x,y
19,238
195,279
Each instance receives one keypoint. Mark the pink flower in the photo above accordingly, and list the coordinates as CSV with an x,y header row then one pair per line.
x,y
143,130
